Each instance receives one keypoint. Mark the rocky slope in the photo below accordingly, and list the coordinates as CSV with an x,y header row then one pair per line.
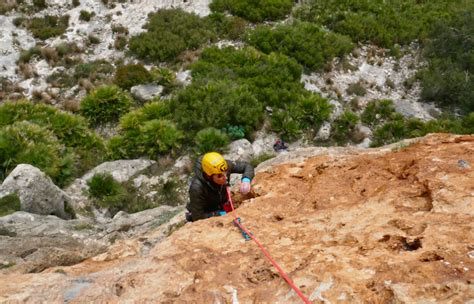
x,y
392,224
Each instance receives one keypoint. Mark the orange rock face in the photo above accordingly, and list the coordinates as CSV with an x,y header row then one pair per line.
x,y
387,225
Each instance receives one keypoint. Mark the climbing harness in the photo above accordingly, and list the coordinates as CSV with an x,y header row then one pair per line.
x,y
247,236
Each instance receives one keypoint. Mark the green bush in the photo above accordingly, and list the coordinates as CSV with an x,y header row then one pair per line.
x,y
102,185
447,80
308,43
24,142
107,192
166,78
254,11
105,104
95,70
343,125
85,15
273,79
384,23
25,56
40,4
169,33
398,128
468,123
378,111
286,125
130,75
306,115
9,204
256,160
216,104
234,132
389,132
228,27
231,88
356,88
71,131
211,139
159,136
48,26
146,131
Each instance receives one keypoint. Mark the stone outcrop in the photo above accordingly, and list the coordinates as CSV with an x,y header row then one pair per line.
x,y
385,225
121,171
37,193
32,243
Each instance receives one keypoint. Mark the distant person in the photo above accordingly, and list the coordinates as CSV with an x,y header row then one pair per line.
x,y
207,192
280,146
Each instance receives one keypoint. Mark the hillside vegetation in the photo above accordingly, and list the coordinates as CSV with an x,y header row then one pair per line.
x,y
234,90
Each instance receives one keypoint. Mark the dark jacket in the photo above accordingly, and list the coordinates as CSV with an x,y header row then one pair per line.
x,y
205,196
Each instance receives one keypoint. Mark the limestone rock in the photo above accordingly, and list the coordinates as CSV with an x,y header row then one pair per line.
x,y
240,150
382,225
121,170
37,193
360,133
324,132
146,92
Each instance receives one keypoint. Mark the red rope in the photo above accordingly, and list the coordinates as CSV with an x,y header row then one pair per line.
x,y
265,252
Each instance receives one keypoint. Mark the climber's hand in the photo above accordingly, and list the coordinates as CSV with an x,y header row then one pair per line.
x,y
245,185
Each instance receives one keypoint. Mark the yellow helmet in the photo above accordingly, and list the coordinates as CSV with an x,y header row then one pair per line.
x,y
213,163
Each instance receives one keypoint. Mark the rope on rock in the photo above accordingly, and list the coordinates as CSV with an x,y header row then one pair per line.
x,y
265,252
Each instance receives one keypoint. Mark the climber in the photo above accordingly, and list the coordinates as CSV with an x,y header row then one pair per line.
x,y
207,192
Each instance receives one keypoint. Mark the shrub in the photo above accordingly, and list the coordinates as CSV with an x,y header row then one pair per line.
x,y
105,104
159,136
234,132
95,70
130,75
211,139
107,192
310,45
390,132
451,60
120,42
256,160
468,123
146,131
376,112
85,15
48,26
384,23
39,4
216,104
102,185
254,11
356,88
9,204
93,39
169,33
27,143
286,125
25,56
228,27
7,6
273,79
65,48
76,3
71,131
306,114
164,77
343,125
